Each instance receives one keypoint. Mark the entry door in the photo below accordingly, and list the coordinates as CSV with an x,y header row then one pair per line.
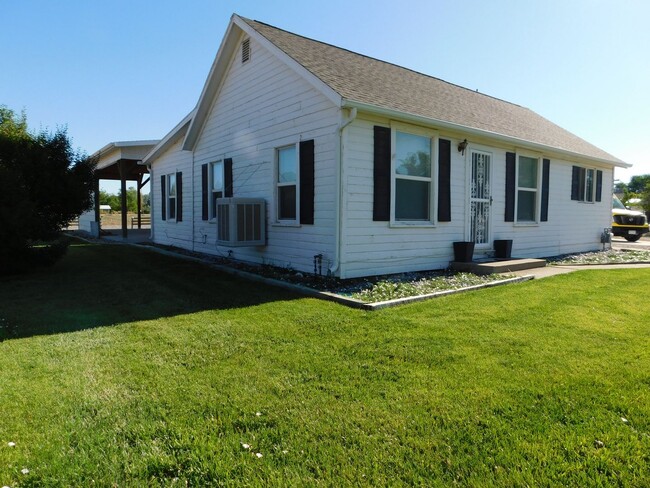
x,y
480,199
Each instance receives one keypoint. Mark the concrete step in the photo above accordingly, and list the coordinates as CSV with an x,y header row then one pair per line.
x,y
497,265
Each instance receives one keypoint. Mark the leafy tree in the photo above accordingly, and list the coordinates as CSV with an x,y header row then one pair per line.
x,y
638,183
115,201
44,184
645,198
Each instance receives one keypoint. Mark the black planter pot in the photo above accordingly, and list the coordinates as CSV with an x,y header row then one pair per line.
x,y
503,248
463,251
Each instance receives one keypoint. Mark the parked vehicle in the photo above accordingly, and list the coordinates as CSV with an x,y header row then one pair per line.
x,y
627,223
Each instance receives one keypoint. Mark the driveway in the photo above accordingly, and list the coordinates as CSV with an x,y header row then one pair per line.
x,y
641,244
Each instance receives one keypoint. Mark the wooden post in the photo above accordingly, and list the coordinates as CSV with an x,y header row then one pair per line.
x,y
98,217
122,168
139,186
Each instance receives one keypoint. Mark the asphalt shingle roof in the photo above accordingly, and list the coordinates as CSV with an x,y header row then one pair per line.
x,y
363,79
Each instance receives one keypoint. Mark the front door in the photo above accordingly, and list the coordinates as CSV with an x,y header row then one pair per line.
x,y
480,199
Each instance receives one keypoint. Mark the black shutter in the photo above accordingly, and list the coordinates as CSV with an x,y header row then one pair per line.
x,y
444,180
307,182
204,192
163,197
599,185
511,172
179,197
227,177
575,183
381,175
546,173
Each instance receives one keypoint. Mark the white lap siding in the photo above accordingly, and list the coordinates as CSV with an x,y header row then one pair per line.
x,y
371,247
263,105
171,232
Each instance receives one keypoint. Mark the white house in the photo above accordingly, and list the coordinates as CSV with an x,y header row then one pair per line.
x,y
300,153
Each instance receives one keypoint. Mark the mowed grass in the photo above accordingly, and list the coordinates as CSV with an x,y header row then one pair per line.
x,y
122,367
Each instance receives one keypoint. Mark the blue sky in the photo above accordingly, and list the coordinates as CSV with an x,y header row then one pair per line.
x,y
125,70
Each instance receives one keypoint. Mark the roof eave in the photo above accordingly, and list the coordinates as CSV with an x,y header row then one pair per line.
x,y
392,113
178,131
219,68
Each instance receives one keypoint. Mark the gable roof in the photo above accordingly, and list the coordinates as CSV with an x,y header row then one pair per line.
x,y
378,86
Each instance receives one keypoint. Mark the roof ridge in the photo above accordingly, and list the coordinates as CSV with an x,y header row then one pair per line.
x,y
379,61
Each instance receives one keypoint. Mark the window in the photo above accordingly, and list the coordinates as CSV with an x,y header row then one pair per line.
x,y
216,186
287,183
171,196
527,189
412,178
585,184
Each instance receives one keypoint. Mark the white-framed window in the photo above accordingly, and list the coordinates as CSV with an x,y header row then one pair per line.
x,y
171,196
586,184
287,187
412,169
217,182
528,188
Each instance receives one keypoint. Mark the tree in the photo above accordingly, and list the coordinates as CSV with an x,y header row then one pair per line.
x,y
115,201
638,183
44,184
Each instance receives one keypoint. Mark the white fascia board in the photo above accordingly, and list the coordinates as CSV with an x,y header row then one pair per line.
x,y
178,131
212,85
117,144
303,72
478,132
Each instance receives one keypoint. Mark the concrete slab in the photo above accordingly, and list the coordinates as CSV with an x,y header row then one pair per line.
x,y
498,266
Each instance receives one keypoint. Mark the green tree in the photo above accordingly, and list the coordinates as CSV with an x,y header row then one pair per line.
x,y
44,184
638,183
645,198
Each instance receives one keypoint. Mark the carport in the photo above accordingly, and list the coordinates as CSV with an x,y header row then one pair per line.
x,y
118,161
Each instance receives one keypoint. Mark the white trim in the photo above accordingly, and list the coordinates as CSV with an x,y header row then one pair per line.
x,y
538,190
441,124
469,150
227,53
277,184
432,135
212,211
303,72
168,197
172,136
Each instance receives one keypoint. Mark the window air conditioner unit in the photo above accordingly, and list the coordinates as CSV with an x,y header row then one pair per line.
x,y
241,222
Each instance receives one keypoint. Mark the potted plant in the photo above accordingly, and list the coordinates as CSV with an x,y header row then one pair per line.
x,y
502,248
463,251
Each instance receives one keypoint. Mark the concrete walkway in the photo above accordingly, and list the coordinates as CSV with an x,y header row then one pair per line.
x,y
547,271
134,236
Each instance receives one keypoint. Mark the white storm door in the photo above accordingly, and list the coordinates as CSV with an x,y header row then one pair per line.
x,y
480,199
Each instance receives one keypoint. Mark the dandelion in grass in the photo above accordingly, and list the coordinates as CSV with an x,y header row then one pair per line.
x,y
246,446
258,454
258,414
24,471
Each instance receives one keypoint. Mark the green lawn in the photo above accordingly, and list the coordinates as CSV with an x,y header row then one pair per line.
x,y
126,368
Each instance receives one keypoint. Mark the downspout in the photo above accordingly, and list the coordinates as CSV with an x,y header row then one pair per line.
x,y
193,210
151,202
339,207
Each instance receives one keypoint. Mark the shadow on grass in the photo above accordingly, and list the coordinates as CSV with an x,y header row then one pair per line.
x,y
97,285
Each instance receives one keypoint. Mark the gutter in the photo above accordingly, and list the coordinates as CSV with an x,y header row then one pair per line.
x,y
339,183
396,114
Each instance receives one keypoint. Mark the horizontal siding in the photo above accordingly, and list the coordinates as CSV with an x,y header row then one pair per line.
x,y
168,232
264,105
376,247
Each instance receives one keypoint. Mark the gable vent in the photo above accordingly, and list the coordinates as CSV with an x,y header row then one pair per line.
x,y
245,50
